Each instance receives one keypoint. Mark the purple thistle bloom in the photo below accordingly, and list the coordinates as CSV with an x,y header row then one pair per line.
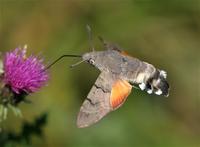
x,y
23,74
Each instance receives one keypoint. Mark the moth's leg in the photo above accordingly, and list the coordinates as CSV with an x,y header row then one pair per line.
x,y
134,85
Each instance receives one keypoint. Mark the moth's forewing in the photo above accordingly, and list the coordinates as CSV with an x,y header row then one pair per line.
x,y
108,93
97,103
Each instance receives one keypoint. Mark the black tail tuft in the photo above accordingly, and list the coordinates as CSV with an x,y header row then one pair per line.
x,y
164,86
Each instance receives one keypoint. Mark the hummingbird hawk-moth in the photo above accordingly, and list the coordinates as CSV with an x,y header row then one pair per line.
x,y
119,72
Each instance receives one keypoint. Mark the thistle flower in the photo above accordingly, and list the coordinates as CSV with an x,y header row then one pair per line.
x,y
19,76
23,74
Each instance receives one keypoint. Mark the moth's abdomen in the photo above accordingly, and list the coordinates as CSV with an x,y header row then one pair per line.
x,y
153,80
146,76
137,71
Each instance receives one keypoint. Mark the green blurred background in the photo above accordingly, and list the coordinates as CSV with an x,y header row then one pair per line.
x,y
164,33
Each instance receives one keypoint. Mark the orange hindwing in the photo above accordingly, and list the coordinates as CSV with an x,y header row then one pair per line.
x,y
120,91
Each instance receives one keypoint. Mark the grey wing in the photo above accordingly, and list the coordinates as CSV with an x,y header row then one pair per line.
x,y
97,103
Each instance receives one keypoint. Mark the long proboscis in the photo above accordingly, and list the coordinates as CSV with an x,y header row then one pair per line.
x,y
61,57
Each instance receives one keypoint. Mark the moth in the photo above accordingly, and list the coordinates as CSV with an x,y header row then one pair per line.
x,y
119,73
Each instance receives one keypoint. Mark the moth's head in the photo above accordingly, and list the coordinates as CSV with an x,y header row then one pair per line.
x,y
90,58
159,83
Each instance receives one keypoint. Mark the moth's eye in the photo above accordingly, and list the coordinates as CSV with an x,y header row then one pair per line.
x,y
91,61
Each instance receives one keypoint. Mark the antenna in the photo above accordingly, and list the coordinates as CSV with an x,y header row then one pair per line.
x,y
63,56
89,31
102,40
